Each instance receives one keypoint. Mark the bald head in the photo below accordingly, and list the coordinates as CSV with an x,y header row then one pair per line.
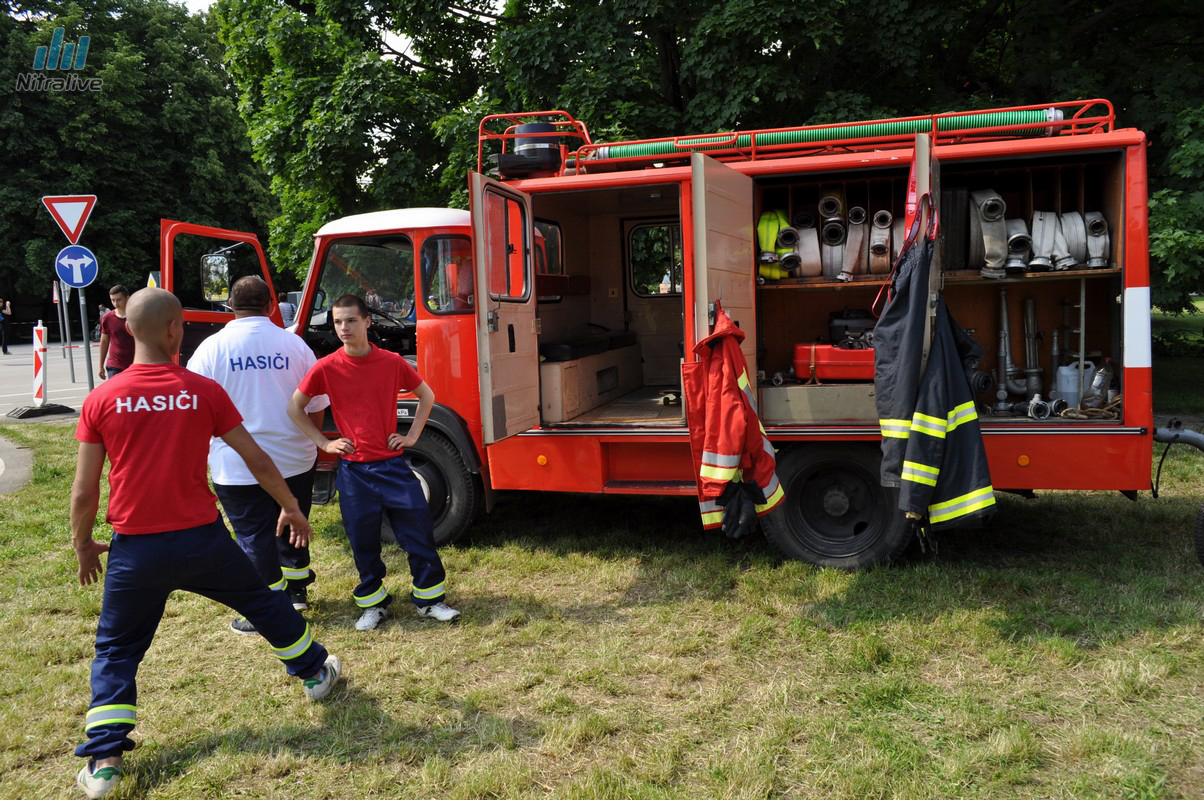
x,y
150,314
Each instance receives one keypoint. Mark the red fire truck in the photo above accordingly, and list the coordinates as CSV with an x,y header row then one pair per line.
x,y
552,320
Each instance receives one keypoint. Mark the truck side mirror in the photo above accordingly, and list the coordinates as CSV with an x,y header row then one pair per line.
x,y
215,278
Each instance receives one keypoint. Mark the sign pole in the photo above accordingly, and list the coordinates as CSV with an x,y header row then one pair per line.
x,y
83,320
39,366
65,326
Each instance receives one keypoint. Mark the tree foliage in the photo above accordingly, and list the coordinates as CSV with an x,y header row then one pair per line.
x,y
162,138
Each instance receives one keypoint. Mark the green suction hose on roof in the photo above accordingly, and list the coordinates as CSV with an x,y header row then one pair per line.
x,y
869,130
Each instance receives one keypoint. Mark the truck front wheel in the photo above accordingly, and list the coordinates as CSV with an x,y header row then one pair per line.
x,y
452,492
836,513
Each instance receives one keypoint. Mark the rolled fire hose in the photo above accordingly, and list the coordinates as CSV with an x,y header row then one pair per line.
x,y
1044,231
1062,259
856,244
790,263
988,232
810,262
804,219
1075,232
831,206
768,226
896,237
1020,245
1097,240
832,245
772,272
880,243
787,238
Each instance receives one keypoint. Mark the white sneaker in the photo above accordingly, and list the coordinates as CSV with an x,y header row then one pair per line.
x,y
320,685
99,783
440,611
371,618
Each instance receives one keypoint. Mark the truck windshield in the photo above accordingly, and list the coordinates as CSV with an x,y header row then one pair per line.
x,y
381,271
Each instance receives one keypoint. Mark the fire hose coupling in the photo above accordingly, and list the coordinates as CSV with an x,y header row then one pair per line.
x,y
988,233
831,206
1098,244
1020,246
787,238
856,247
880,243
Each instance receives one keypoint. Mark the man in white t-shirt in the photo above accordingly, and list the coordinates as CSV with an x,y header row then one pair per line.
x,y
260,365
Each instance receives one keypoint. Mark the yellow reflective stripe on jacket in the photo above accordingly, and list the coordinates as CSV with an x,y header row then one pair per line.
x,y
919,473
296,648
960,506
718,473
895,428
961,415
278,586
774,497
933,426
376,598
119,714
712,513
438,590
295,574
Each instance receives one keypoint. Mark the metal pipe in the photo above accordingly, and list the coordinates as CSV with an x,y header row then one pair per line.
x,y
1055,355
1032,359
1173,434
1011,373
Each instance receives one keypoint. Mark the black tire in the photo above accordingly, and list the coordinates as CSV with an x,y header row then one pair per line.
x,y
452,492
836,513
1200,535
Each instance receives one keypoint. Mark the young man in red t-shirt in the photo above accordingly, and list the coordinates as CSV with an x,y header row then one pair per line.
x,y
116,344
153,422
362,382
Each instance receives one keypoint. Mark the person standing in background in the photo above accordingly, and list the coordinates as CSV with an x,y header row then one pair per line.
x,y
6,311
287,310
116,343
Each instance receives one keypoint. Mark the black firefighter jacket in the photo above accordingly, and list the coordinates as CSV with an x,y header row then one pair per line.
x,y
931,441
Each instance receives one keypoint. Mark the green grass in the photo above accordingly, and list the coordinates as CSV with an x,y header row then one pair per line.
x,y
1179,362
610,649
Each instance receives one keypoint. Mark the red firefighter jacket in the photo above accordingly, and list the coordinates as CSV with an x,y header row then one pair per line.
x,y
726,438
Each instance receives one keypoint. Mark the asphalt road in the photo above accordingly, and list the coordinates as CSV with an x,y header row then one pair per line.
x,y
16,378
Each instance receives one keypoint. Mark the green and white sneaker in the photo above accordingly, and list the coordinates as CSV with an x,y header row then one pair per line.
x,y
320,685
100,782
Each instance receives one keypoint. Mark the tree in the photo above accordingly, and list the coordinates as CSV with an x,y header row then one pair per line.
x,y
357,106
162,138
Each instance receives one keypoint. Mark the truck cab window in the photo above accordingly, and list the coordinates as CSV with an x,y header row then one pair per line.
x,y
380,270
447,274
655,255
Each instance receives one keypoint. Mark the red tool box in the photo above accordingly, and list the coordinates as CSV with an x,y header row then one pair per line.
x,y
830,363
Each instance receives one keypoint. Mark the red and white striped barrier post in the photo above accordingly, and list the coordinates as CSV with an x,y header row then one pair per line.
x,y
39,365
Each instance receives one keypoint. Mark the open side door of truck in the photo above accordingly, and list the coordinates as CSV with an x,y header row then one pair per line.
x,y
507,328
199,264
724,263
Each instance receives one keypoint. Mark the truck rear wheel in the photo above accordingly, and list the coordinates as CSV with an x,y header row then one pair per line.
x,y
452,492
836,513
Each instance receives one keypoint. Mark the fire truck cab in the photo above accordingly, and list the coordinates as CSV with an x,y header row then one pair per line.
x,y
553,318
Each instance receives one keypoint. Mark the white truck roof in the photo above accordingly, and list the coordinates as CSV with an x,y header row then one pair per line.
x,y
396,219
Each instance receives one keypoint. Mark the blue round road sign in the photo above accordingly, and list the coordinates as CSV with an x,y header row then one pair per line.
x,y
76,266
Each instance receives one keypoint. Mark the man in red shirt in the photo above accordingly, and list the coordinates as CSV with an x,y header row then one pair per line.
x,y
116,344
362,382
154,422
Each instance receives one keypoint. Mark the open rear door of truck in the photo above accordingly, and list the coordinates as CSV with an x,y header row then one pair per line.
x,y
199,264
507,332
724,263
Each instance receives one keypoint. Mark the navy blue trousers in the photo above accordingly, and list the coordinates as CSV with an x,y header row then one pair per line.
x,y
367,491
253,513
142,571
